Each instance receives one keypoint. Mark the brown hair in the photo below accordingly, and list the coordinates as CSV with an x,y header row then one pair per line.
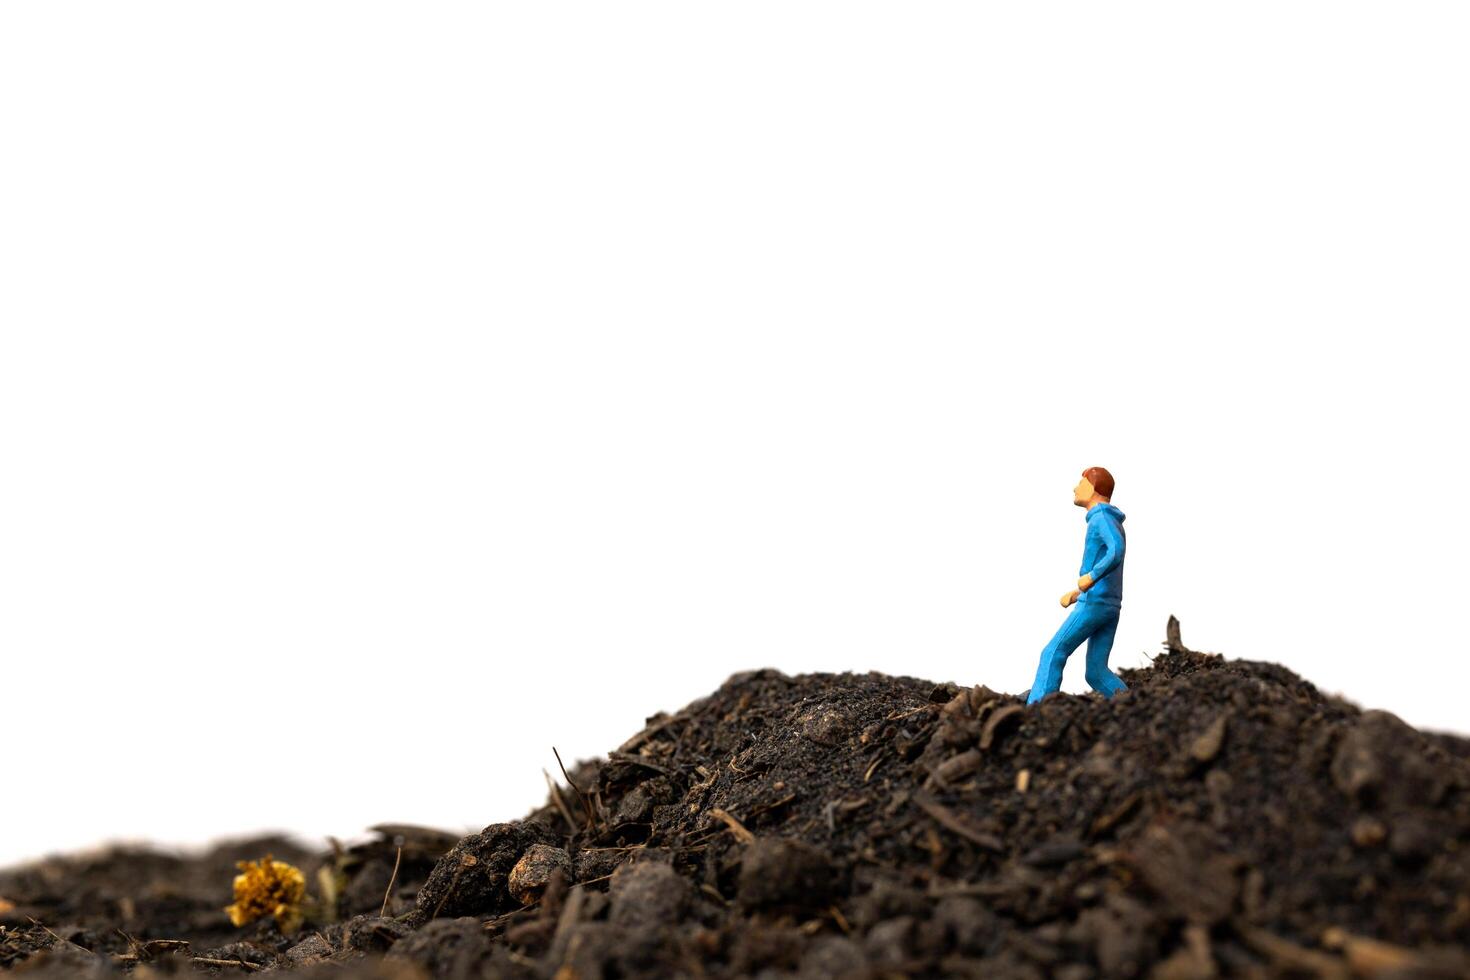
x,y
1101,480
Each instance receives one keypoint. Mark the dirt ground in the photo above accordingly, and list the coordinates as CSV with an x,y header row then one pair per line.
x,y
1220,818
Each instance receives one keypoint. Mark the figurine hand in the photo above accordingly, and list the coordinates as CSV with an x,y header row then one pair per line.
x,y
1069,598
1085,582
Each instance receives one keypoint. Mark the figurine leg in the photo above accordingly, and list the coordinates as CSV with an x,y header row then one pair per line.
x,y
1078,626
1099,645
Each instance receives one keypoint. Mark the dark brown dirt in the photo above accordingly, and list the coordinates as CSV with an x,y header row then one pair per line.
x,y
1220,818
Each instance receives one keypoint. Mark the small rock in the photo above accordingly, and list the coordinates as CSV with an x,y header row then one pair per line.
x,y
825,726
531,874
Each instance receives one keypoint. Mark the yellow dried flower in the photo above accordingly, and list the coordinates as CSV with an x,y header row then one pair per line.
x,y
268,887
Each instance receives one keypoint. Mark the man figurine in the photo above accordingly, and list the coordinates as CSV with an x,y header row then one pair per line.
x,y
1098,596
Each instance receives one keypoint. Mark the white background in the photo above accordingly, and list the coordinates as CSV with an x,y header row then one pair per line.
x,y
390,392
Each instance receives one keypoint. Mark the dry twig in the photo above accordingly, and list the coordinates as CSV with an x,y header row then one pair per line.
x,y
736,827
391,880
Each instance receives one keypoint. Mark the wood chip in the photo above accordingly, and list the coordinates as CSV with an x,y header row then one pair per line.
x,y
1286,955
1208,744
1172,638
1120,812
1003,716
736,827
1191,961
957,767
1372,957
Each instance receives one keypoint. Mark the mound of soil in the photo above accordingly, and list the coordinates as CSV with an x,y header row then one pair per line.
x,y
1219,818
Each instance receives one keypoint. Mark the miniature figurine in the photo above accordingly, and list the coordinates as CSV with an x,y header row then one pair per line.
x,y
1098,596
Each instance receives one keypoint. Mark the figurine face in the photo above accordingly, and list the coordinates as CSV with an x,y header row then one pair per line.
x,y
1083,492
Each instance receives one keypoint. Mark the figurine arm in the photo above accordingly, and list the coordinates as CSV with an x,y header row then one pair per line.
x,y
1112,553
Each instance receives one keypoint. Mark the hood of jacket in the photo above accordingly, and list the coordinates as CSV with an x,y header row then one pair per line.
x,y
1116,514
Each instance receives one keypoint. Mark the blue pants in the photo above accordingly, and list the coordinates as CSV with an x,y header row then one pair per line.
x,y
1091,621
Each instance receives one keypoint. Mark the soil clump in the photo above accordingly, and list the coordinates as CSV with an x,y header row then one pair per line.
x,y
1219,818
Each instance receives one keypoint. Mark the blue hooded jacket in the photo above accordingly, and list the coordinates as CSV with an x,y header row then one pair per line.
x,y
1102,555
